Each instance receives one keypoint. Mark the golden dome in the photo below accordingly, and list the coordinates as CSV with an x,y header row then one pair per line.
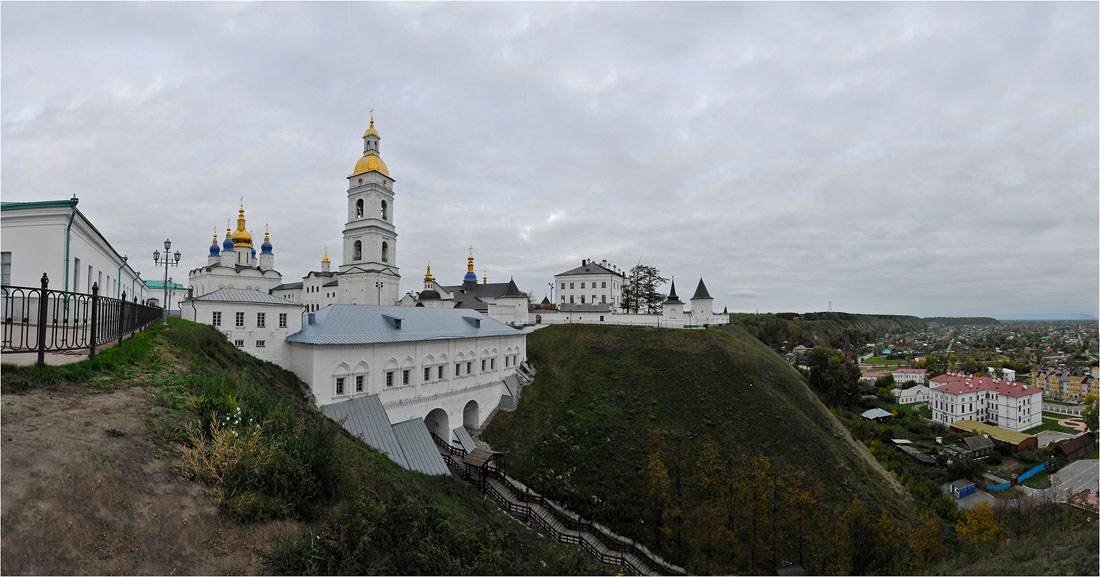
x,y
326,256
368,163
241,237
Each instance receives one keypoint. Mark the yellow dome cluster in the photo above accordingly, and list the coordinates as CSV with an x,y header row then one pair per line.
x,y
241,237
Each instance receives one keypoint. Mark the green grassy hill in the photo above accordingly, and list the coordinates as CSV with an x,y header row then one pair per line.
x,y
783,331
242,428
613,407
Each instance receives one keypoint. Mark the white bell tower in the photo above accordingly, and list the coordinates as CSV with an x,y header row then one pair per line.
x,y
369,272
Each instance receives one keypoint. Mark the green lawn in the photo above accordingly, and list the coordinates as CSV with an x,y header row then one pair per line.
x,y
1050,425
885,362
926,412
1040,480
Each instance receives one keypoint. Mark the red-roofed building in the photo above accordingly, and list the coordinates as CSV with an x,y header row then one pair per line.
x,y
1007,404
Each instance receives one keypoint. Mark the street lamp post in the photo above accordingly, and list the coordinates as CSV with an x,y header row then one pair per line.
x,y
378,285
168,259
552,301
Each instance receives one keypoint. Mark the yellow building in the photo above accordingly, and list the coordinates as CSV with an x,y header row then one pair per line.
x,y
1064,384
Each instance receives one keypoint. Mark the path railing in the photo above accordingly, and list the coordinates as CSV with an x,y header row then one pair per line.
x,y
555,520
41,319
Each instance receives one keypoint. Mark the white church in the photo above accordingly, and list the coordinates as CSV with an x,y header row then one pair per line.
x,y
397,373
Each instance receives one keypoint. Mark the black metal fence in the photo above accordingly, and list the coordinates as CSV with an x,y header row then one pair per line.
x,y
41,320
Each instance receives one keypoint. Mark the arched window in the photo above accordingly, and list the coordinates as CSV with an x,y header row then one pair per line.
x,y
359,208
385,252
385,216
358,251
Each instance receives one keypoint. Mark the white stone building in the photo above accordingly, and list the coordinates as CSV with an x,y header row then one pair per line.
x,y
919,376
591,283
501,301
443,365
54,237
1006,404
253,321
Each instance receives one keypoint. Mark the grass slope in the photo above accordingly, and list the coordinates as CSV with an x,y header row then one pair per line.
x,y
244,430
580,432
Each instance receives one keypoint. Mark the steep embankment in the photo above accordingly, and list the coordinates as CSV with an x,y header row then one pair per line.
x,y
584,434
178,453
782,331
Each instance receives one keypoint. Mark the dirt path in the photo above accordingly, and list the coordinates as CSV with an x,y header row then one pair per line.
x,y
88,487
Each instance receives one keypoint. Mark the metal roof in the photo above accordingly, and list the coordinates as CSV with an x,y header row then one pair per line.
x,y
465,439
236,295
875,413
584,308
997,433
701,291
420,451
512,384
590,268
366,419
364,324
288,286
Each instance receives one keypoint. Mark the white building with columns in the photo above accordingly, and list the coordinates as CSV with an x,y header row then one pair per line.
x,y
446,366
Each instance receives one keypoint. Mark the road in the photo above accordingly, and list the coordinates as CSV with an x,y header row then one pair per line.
x,y
1076,477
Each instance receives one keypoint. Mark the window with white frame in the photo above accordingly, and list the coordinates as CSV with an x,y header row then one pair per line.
x,y
405,376
261,320
483,365
439,372
339,385
389,378
458,369
359,383
239,319
239,343
282,320
5,268
492,364
427,374
217,320
469,367
261,344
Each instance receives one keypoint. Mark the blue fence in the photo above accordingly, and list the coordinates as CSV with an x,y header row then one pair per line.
x,y
1020,479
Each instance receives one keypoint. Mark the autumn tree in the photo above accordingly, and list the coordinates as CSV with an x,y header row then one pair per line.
x,y
891,547
1090,413
857,532
980,529
834,377
926,545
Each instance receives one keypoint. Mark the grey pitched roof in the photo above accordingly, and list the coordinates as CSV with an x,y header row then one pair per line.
x,y
364,324
977,443
512,384
589,268
331,283
487,290
236,295
465,439
961,483
287,286
545,300
875,413
420,451
366,419
701,291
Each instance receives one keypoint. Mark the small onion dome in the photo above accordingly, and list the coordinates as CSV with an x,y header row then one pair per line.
x,y
253,252
214,250
227,244
265,248
429,295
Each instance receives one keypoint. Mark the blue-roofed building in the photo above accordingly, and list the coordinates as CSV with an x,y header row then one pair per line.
x,y
445,366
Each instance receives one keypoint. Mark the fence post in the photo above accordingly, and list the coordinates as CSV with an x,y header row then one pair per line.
x,y
95,318
42,321
122,318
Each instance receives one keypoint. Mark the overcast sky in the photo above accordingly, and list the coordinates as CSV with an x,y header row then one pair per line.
x,y
924,159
